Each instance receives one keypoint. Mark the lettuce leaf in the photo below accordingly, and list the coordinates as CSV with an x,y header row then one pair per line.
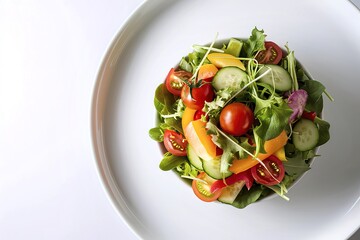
x,y
255,43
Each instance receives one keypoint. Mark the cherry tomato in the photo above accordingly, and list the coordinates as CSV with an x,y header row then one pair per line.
x,y
263,176
202,189
199,114
272,54
236,119
175,143
219,151
195,97
309,115
175,80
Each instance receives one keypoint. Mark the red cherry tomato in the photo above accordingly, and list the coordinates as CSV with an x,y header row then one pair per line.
x,y
175,80
271,55
309,115
263,176
236,119
202,189
199,114
195,97
175,143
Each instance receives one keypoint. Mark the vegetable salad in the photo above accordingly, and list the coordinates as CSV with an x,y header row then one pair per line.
x,y
240,119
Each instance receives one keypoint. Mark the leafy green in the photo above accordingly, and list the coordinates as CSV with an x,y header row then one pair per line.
x,y
164,100
246,197
297,161
273,120
196,57
255,43
169,108
179,110
170,161
232,147
315,90
185,65
214,107
157,134
291,67
174,124
324,132
187,170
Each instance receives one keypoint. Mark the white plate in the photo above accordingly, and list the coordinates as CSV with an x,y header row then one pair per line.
x,y
157,205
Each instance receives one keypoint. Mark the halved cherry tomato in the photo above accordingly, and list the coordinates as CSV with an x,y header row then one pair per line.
x,y
236,119
202,189
195,97
175,80
175,143
271,55
242,176
263,176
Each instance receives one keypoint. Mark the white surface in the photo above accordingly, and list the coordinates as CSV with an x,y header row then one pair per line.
x,y
50,53
154,203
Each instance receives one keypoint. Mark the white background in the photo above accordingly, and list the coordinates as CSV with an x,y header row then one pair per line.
x,y
50,52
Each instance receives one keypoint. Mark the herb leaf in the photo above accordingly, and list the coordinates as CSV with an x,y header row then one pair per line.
x,y
255,43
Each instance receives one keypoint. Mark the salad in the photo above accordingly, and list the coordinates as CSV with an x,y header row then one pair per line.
x,y
239,119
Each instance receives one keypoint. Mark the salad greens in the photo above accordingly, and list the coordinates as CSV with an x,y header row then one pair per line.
x,y
244,110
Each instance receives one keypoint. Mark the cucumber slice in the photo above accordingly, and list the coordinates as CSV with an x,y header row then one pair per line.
x,y
306,135
278,77
212,168
229,77
229,193
194,159
234,47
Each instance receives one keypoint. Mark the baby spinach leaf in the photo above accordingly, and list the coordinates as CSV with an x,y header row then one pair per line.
x,y
163,100
324,130
170,161
247,197
156,134
297,162
315,90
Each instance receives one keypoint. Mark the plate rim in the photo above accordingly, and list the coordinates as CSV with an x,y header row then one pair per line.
x,y
104,172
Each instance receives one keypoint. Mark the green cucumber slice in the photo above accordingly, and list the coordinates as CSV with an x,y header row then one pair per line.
x,y
305,135
229,77
229,193
212,168
278,77
234,47
194,159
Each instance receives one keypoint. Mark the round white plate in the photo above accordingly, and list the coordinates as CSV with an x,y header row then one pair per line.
x,y
157,205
